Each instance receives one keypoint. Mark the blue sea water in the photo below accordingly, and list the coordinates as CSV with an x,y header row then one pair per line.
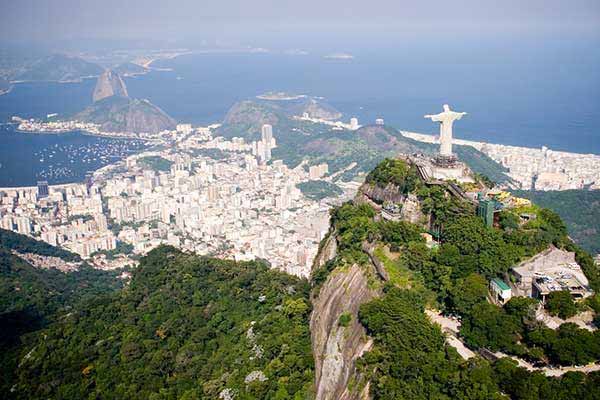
x,y
522,92
525,94
26,158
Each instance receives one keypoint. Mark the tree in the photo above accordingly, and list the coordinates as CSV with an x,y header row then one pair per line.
x,y
522,308
488,326
508,220
561,303
467,293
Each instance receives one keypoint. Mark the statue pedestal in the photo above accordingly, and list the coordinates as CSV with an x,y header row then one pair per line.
x,y
443,168
457,171
445,161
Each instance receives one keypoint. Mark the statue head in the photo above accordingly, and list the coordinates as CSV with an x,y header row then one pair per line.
x,y
446,107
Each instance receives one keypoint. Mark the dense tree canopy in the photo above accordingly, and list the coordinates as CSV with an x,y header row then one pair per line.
x,y
396,172
186,327
409,358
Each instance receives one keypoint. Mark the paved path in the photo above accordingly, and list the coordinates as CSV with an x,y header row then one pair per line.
x,y
451,327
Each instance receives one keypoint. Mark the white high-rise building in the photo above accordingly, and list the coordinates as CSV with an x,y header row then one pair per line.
x,y
353,123
267,134
24,225
268,142
317,171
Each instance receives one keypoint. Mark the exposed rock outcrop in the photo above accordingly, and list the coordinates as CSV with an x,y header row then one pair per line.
x,y
327,251
109,84
336,347
411,210
380,195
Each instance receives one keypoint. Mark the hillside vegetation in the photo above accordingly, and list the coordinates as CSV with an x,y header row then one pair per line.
x,y
121,114
32,298
579,209
409,358
59,67
317,143
186,327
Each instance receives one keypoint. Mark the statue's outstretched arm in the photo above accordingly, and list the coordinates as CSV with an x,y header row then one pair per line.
x,y
435,118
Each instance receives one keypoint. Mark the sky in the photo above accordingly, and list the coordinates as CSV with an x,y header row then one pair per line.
x,y
273,20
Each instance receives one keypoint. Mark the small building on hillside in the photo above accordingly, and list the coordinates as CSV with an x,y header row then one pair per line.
x,y
549,271
500,291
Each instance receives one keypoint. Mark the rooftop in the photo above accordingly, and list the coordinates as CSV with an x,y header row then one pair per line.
x,y
501,284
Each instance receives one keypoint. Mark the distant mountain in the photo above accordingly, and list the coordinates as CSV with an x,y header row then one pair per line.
x,y
59,68
120,114
367,146
129,68
245,119
254,113
109,84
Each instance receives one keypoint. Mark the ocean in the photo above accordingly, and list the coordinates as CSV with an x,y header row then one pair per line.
x,y
26,158
518,92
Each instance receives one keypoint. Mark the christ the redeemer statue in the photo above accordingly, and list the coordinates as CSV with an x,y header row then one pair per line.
x,y
446,119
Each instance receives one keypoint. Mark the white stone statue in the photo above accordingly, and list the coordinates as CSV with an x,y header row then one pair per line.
x,y
446,119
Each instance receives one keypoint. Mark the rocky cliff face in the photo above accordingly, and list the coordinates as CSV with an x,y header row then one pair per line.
x,y
336,347
380,195
109,84
328,250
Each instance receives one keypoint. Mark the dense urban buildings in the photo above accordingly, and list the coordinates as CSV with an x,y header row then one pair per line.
x,y
236,205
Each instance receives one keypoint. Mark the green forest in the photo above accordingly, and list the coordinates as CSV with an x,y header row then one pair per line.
x,y
409,359
193,327
186,327
579,209
319,190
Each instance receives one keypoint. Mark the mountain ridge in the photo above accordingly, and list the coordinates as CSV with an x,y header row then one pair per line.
x,y
59,68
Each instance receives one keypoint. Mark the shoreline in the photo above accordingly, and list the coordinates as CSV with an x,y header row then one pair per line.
x,y
82,130
79,80
431,138
3,92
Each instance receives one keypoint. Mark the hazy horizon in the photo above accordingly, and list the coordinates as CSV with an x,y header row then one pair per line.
x,y
280,24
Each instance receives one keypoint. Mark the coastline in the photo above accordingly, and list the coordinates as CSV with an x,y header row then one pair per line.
x,y
430,138
42,128
78,80
7,91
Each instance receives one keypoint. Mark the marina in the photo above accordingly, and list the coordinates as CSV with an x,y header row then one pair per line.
x,y
59,159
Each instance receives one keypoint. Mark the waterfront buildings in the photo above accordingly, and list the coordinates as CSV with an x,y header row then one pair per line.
x,y
42,189
239,205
